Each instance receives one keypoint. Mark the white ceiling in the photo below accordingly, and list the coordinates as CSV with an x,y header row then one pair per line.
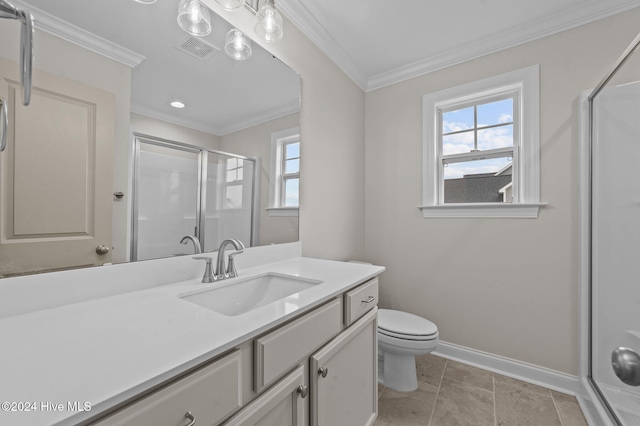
x,y
381,42
375,42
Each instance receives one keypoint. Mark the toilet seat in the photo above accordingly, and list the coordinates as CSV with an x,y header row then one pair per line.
x,y
405,326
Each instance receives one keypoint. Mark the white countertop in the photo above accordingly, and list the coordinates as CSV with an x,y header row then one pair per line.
x,y
107,350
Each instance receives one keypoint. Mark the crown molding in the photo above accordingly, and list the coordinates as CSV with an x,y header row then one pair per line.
x,y
263,117
571,18
302,18
544,27
68,32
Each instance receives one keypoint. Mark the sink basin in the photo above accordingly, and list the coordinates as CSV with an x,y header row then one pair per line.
x,y
239,296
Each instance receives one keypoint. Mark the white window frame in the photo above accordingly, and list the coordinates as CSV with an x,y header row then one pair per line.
x,y
526,150
276,186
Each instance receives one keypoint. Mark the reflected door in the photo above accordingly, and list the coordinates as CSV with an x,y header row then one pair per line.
x,y
56,176
615,250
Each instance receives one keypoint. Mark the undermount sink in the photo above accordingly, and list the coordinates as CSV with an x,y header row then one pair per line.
x,y
239,296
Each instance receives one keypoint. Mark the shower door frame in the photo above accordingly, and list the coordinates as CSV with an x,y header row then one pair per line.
x,y
598,406
201,202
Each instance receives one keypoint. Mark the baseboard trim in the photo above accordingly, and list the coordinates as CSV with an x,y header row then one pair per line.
x,y
530,373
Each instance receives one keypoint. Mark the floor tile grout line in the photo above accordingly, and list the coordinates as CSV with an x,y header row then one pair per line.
x,y
557,409
433,410
495,414
469,384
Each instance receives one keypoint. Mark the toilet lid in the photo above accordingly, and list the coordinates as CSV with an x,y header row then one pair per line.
x,y
404,324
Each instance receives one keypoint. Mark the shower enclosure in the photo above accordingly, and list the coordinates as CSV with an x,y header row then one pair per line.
x,y
181,190
611,244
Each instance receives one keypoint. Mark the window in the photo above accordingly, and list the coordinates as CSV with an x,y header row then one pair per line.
x,y
481,148
233,183
285,173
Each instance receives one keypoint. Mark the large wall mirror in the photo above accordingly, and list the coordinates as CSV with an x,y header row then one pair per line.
x,y
100,166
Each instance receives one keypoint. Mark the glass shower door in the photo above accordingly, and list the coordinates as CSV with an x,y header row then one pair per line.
x,y
166,199
615,250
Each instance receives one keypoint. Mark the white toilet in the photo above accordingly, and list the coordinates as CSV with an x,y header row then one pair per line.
x,y
402,336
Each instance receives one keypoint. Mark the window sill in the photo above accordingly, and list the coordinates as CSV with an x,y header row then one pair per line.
x,y
283,211
479,210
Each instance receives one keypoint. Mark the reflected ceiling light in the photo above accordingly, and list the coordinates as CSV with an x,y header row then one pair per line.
x,y
194,17
177,104
269,22
231,4
145,1
237,45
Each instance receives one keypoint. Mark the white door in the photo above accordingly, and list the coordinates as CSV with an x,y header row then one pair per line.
x,y
616,250
56,174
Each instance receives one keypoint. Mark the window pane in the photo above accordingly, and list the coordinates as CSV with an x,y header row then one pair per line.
x,y
479,181
495,113
458,143
291,191
461,119
233,197
292,166
292,150
495,137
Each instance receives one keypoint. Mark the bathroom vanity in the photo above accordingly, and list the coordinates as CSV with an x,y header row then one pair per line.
x,y
167,355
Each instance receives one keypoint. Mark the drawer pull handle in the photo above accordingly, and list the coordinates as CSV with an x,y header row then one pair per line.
x,y
323,371
369,299
303,391
190,417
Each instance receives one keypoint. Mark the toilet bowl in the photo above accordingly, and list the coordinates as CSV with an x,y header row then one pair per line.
x,y
402,336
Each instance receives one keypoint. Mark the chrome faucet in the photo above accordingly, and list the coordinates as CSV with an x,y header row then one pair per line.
x,y
194,240
230,271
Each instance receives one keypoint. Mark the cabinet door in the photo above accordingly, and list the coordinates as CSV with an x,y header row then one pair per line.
x,y
344,377
282,405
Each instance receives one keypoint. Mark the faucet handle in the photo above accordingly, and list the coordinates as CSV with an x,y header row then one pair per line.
x,y
231,265
209,276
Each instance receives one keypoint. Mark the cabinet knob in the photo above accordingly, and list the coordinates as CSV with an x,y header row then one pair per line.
x,y
323,371
303,391
190,417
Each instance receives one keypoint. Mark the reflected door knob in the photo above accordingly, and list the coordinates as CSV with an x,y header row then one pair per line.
x,y
626,365
102,249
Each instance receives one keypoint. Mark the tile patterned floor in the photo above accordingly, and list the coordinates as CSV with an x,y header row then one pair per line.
x,y
454,394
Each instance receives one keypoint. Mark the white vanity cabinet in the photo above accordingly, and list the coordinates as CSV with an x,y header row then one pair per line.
x,y
319,369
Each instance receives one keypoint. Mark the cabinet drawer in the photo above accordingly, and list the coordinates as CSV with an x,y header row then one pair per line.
x,y
210,394
360,300
277,352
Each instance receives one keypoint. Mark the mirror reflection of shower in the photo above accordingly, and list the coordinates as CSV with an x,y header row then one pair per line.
x,y
187,192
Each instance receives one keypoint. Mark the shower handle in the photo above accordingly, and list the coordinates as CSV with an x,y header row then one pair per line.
x,y
626,365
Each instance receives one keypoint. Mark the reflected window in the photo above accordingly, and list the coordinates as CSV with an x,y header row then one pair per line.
x,y
233,183
284,192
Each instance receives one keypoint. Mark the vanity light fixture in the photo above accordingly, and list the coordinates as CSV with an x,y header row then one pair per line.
x,y
177,104
269,22
231,4
194,17
237,45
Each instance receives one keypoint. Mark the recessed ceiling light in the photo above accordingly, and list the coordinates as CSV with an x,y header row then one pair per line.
x,y
177,104
145,1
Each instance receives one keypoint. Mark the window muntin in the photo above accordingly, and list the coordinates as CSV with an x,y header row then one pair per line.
x,y
284,186
233,183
